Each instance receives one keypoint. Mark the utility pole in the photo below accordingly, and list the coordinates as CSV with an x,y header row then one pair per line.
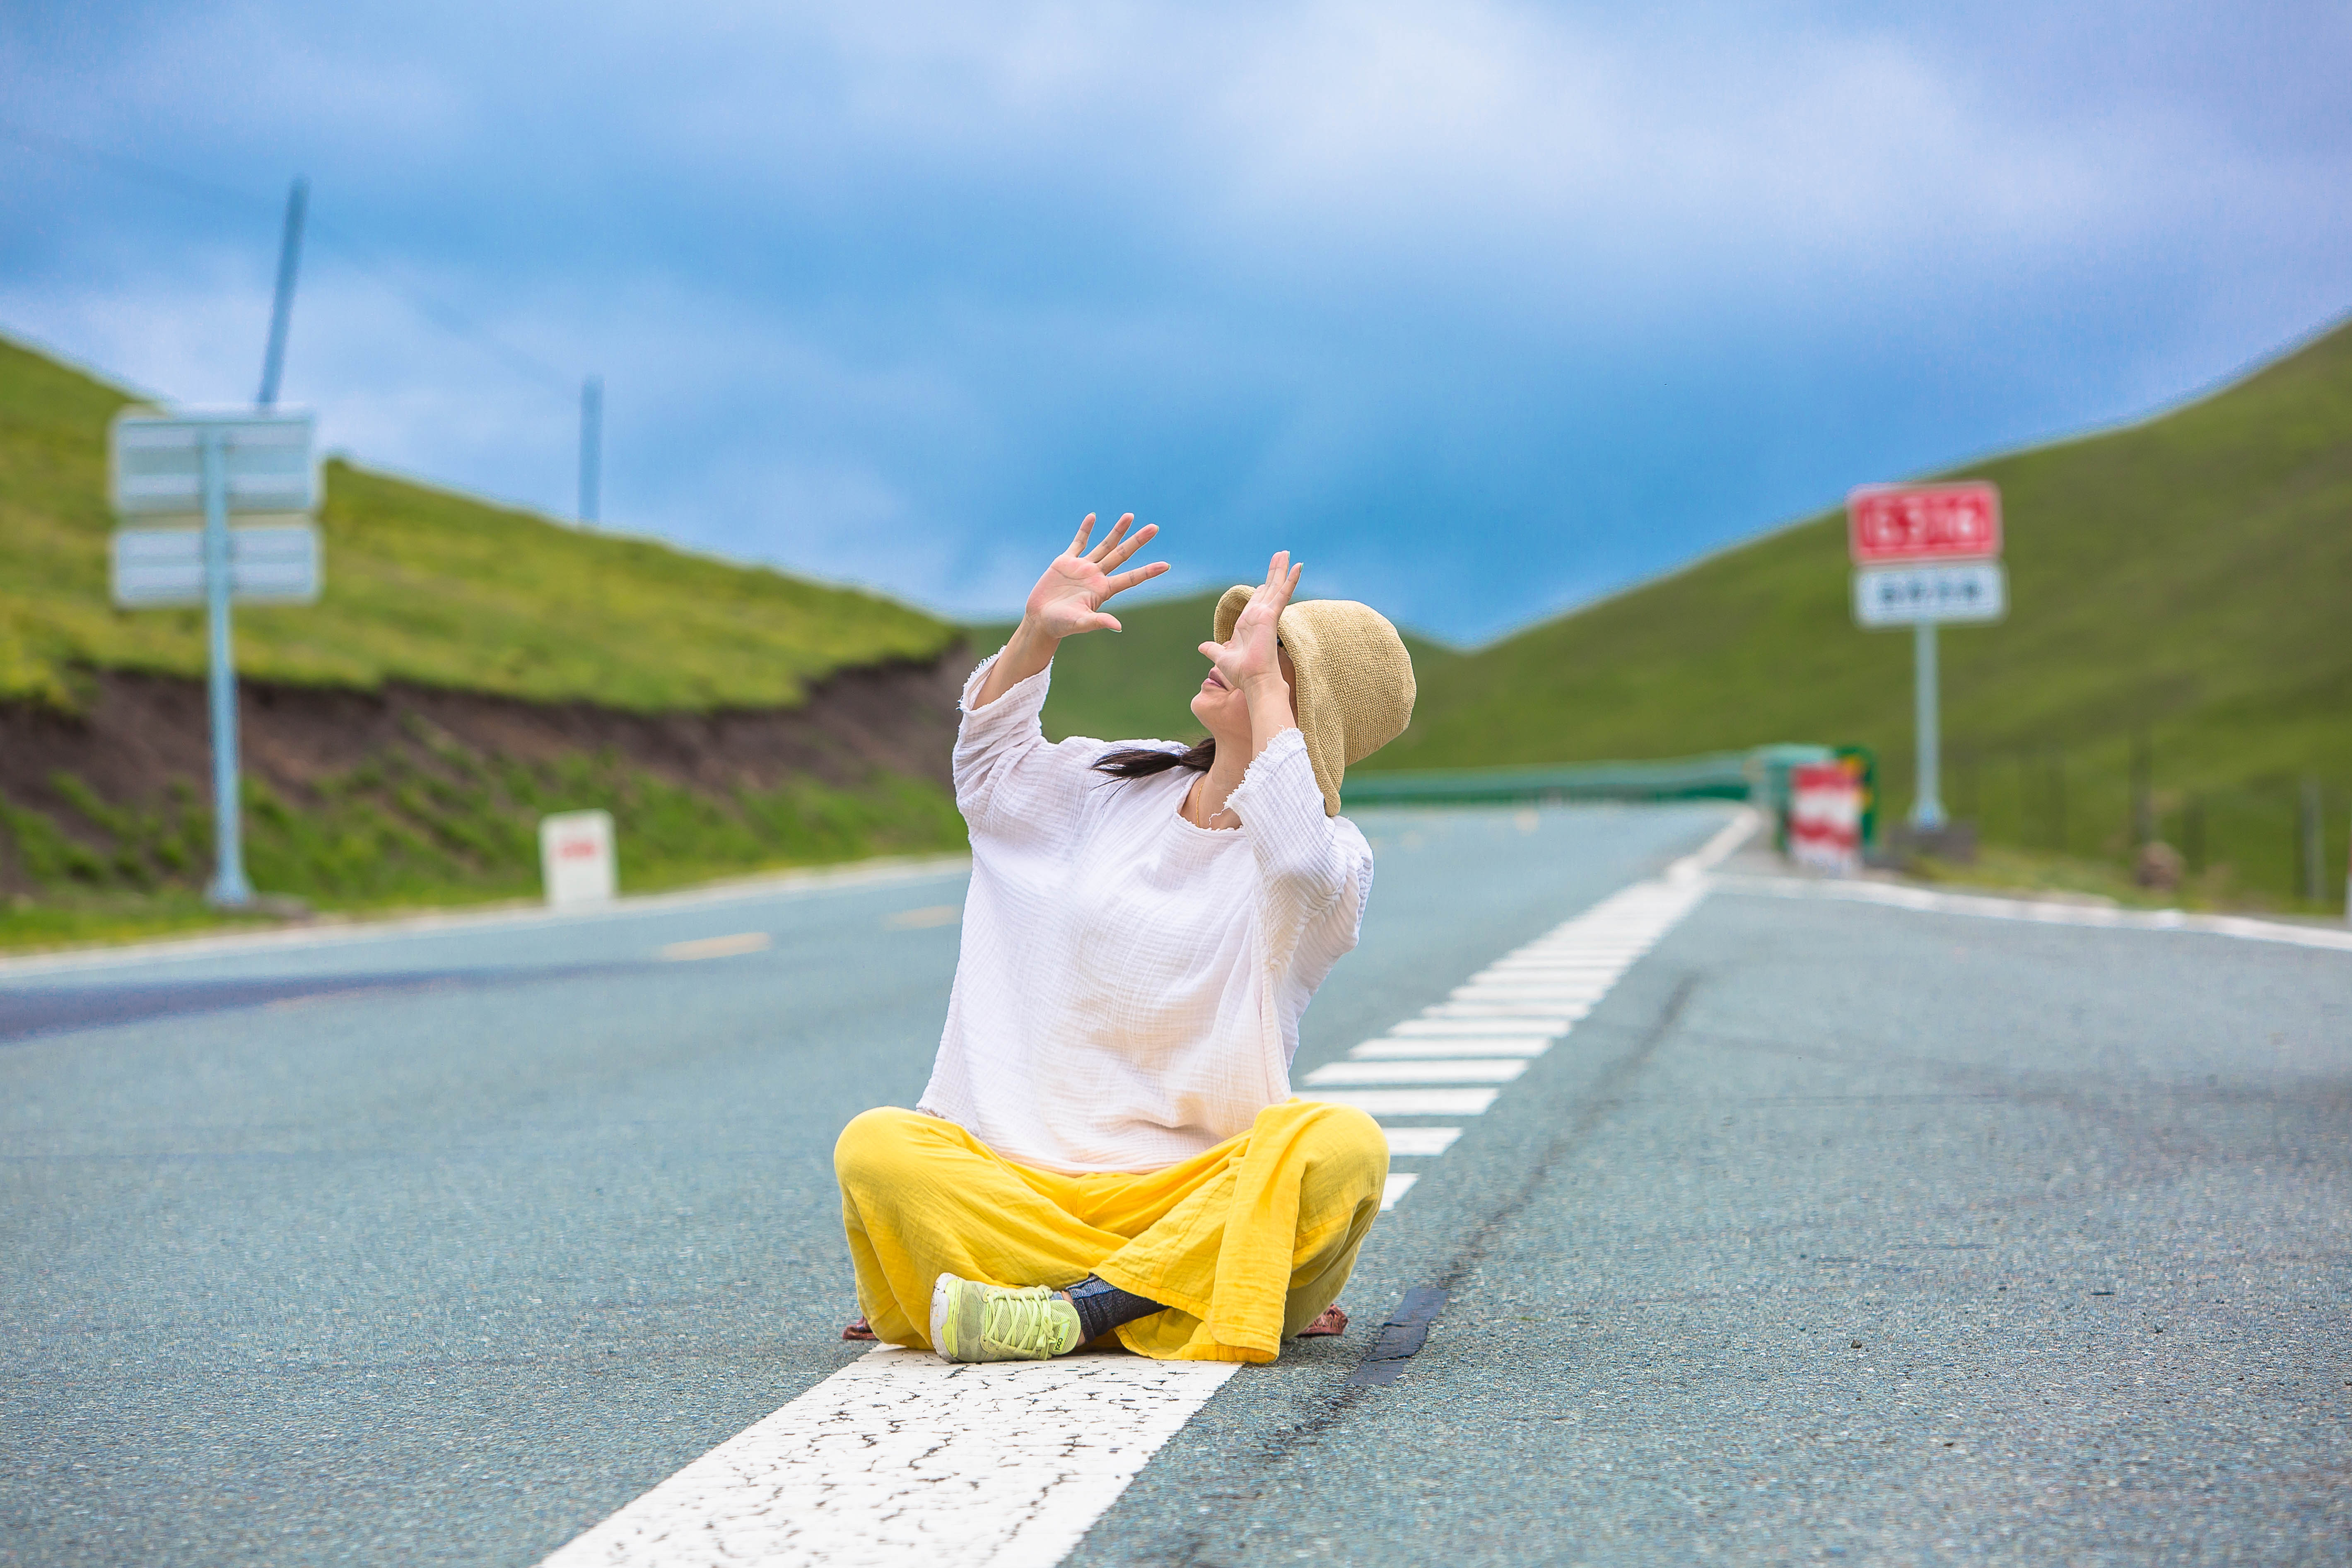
x,y
289,258
592,443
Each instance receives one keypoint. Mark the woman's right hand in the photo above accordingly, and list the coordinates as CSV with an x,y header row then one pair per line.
x,y
1069,599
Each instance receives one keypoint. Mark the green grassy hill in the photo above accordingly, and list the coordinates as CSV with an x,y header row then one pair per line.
x,y
422,584
504,666
2186,583
1134,684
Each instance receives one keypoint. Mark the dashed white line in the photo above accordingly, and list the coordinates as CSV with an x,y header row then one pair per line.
x,y
1399,1184
1491,1014
1491,1027
716,946
1428,1045
1506,1024
1410,1101
1421,1142
1445,1069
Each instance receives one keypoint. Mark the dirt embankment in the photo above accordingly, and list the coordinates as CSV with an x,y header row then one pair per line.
x,y
140,735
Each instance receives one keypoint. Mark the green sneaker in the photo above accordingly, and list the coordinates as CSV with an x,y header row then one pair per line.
x,y
973,1321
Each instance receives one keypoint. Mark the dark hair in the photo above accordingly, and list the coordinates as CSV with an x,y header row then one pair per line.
x,y
1143,761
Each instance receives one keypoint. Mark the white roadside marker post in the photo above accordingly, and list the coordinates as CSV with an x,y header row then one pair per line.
x,y
178,468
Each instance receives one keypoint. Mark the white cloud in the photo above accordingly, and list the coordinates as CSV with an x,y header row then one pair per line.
x,y
927,271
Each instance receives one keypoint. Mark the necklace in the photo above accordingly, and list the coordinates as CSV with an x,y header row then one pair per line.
x,y
1192,807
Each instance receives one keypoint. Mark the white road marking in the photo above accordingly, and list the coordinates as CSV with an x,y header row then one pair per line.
x,y
2043,912
1507,1026
1424,1047
1410,1101
928,916
1420,1142
716,946
1495,1015
1455,1070
1530,996
903,1458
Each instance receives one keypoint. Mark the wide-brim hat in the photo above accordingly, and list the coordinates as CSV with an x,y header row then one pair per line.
x,y
1354,686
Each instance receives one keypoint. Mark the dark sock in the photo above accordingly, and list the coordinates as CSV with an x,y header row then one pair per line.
x,y
1103,1306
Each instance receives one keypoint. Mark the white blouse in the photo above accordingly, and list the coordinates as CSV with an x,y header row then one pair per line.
x,y
1129,986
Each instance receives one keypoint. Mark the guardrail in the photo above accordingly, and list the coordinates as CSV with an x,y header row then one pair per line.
x,y
1758,774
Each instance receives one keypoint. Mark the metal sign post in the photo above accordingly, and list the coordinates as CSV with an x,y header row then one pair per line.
x,y
229,885
168,467
1923,555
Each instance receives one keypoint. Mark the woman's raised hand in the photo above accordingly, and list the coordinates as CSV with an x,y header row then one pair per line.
x,y
1068,598
1249,656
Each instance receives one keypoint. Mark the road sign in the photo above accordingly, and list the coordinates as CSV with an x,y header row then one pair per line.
x,y
575,859
215,465
266,462
1917,595
1886,523
271,564
1923,555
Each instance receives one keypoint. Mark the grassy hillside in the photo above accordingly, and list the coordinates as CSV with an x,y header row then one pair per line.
x,y
1135,684
618,644
2186,583
422,584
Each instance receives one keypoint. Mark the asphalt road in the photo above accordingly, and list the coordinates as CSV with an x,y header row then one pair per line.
x,y
1835,1231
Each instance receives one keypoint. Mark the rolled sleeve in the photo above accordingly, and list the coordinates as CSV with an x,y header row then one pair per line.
x,y
1304,863
1009,779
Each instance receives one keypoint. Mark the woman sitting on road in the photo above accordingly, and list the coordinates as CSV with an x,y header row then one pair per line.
x,y
1108,1142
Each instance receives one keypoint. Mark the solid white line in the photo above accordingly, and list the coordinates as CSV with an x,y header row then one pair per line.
x,y
2041,912
1410,1101
903,1458
1396,1186
1420,1142
1427,1046
336,933
1454,1070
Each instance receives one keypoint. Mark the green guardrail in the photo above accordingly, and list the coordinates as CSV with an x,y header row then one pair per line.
x,y
1760,774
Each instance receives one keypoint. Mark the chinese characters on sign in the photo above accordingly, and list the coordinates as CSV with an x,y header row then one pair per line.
x,y
1906,596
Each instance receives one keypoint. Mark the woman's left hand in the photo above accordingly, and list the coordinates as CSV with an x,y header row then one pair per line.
x,y
1249,657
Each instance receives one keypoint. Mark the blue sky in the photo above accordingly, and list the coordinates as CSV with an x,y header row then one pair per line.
x,y
1484,309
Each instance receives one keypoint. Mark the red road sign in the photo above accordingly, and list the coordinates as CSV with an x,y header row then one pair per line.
x,y
1922,523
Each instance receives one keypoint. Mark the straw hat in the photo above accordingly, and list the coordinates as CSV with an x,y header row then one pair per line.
x,y
1354,691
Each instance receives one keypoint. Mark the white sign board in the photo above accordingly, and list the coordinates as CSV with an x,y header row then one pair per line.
x,y
575,859
1911,595
266,459
273,564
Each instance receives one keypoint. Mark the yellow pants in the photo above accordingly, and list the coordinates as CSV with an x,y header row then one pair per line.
x,y
1244,1243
